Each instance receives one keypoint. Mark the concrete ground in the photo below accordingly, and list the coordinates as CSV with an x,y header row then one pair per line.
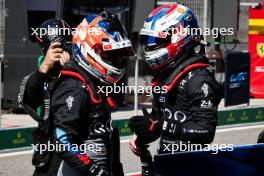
x,y
19,162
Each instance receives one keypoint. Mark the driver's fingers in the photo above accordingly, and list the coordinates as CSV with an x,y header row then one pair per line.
x,y
136,151
133,146
54,45
65,58
62,62
57,56
57,50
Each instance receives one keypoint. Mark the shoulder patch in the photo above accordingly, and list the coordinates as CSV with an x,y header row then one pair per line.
x,y
69,102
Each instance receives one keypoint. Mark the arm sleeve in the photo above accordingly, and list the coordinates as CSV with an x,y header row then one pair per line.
x,y
156,113
68,103
204,98
33,95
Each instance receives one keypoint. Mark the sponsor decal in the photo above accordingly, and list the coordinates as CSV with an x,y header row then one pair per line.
x,y
182,83
259,69
116,45
162,99
190,75
188,17
204,88
180,10
153,33
206,104
238,79
177,115
260,49
107,47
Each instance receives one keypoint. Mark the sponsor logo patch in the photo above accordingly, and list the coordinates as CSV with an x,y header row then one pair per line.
x,y
204,88
69,102
180,10
206,104
260,49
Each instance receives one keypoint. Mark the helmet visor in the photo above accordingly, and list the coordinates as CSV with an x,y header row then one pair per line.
x,y
152,40
117,53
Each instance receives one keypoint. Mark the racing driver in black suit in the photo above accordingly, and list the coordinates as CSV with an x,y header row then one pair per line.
x,y
74,114
186,112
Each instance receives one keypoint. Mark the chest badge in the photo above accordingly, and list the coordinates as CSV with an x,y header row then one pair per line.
x,y
204,88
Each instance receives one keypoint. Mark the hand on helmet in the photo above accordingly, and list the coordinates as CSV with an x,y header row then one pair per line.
x,y
53,55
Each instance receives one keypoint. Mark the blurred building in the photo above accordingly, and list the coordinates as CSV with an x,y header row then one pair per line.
x,y
21,51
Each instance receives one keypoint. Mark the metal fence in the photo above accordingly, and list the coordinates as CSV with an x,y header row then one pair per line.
x,y
2,40
2,21
242,34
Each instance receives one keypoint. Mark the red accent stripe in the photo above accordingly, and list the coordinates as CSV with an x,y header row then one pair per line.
x,y
187,69
172,49
155,81
111,103
256,13
154,12
173,7
78,76
151,127
84,158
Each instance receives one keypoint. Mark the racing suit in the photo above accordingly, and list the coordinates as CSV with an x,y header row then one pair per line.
x,y
190,101
78,116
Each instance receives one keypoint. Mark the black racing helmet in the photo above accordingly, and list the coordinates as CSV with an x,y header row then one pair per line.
x,y
55,30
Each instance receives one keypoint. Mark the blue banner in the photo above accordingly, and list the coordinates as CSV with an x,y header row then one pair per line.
x,y
242,161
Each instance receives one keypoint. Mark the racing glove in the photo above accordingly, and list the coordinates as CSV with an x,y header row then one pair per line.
x,y
146,127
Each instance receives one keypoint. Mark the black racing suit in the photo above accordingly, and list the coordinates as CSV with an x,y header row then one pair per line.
x,y
192,99
76,120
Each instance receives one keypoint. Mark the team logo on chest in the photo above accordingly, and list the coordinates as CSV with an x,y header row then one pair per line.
x,y
204,88
176,115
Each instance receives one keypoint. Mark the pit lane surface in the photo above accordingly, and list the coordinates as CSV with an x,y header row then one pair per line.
x,y
18,163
